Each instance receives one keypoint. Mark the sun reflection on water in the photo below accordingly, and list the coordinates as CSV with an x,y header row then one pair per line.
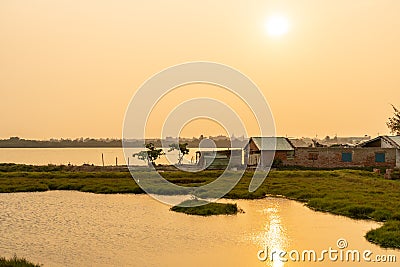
x,y
273,237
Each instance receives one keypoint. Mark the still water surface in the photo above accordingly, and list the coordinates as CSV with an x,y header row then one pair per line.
x,y
67,228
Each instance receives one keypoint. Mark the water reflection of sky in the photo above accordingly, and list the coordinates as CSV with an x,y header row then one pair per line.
x,y
69,228
273,236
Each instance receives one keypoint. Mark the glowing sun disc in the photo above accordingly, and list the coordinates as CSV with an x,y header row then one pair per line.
x,y
277,25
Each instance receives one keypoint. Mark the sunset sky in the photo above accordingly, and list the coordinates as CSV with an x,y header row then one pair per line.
x,y
69,68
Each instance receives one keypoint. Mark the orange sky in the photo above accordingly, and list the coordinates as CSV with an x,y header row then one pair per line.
x,y
69,68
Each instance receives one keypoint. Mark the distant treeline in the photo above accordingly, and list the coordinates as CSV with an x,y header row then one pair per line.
x,y
16,142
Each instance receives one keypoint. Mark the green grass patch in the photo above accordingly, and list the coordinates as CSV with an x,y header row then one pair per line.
x,y
206,208
16,262
387,236
95,182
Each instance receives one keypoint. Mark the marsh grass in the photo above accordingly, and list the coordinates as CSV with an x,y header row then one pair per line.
x,y
206,208
387,236
95,182
16,262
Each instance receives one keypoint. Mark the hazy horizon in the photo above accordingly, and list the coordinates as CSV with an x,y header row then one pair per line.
x,y
183,137
69,69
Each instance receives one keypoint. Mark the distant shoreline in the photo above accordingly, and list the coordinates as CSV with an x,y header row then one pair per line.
x,y
16,142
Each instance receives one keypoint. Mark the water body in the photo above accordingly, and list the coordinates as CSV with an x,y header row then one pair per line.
x,y
79,156
68,228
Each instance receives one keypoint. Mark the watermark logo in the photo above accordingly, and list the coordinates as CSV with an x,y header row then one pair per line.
x,y
151,91
339,254
342,243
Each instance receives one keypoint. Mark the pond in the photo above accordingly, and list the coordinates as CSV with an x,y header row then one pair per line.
x,y
68,228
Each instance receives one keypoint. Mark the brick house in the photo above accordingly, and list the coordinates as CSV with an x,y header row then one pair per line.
x,y
258,149
383,151
343,157
385,142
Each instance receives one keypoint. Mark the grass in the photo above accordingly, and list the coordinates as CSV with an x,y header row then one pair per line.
x,y
357,194
206,208
94,182
387,236
16,262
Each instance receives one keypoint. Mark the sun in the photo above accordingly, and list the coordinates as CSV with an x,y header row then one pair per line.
x,y
277,25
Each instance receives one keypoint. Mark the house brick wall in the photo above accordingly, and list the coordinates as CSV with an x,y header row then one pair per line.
x,y
281,155
331,157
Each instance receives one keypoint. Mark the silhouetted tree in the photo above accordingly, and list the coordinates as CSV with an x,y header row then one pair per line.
x,y
150,155
394,122
182,148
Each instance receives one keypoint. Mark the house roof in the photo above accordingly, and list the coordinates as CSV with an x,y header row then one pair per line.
x,y
394,141
268,143
300,142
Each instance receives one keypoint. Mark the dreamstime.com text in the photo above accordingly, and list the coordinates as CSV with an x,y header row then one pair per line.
x,y
339,254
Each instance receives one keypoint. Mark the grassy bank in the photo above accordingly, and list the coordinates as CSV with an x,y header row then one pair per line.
x,y
16,262
387,236
206,209
94,182
353,193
